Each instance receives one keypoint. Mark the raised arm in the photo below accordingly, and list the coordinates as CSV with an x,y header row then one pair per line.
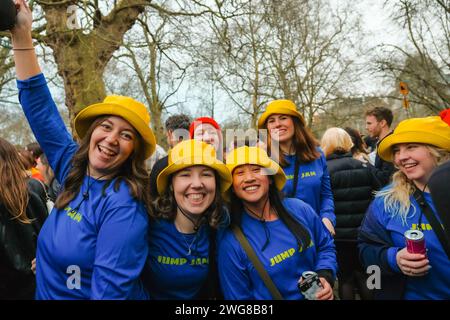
x,y
36,100
24,56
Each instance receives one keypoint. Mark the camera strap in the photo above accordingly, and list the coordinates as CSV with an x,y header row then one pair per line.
x,y
276,295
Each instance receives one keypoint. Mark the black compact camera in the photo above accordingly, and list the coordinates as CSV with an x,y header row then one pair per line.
x,y
8,13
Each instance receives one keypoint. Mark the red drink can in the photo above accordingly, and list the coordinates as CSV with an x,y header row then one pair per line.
x,y
415,242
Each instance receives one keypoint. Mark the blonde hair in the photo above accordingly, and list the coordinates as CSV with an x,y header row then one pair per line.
x,y
397,198
336,139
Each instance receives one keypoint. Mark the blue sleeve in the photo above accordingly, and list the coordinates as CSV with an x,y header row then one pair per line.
x,y
233,273
326,250
326,194
121,252
47,124
374,242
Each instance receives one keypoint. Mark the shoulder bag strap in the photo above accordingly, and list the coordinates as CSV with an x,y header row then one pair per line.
x,y
296,169
434,222
276,295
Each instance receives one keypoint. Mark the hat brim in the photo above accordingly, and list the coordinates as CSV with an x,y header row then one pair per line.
x,y
279,178
85,117
385,146
278,110
163,178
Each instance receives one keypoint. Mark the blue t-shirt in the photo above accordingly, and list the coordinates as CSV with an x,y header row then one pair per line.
x,y
436,284
281,258
313,187
178,263
96,247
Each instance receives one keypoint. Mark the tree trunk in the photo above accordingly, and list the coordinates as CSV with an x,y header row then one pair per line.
x,y
81,55
155,105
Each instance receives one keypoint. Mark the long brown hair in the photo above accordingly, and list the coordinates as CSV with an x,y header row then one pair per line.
x,y
13,189
305,144
133,171
165,206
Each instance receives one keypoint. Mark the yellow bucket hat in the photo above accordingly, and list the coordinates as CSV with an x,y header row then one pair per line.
x,y
125,107
429,130
190,153
280,107
257,156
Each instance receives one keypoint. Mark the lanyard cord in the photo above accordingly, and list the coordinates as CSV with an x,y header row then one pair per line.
x,y
86,193
261,219
197,226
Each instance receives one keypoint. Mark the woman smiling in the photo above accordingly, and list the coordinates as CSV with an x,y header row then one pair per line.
x,y
94,243
182,240
416,147
299,155
286,234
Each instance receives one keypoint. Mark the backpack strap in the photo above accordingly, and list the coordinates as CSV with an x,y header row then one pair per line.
x,y
441,233
276,295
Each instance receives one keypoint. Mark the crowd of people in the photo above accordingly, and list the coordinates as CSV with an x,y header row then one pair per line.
x,y
102,216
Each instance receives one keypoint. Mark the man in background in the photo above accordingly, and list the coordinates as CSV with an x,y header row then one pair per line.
x,y
378,126
177,130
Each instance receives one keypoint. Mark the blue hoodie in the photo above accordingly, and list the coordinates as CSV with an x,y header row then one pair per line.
x,y
313,187
281,258
96,247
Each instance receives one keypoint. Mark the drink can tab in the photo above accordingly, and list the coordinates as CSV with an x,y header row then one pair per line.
x,y
309,284
415,241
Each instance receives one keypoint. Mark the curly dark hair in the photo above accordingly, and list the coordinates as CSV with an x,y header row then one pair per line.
x,y
178,121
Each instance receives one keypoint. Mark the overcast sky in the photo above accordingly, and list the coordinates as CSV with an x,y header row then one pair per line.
x,y
378,29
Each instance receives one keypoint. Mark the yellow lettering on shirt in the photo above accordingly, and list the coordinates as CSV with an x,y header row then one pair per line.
x,y
181,261
311,244
72,214
308,174
172,261
199,261
423,226
282,256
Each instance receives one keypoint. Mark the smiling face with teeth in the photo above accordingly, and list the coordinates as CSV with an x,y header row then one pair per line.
x,y
111,144
415,161
194,188
250,184
281,127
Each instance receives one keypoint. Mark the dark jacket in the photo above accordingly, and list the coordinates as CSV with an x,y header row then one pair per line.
x,y
373,243
18,247
352,184
439,188
159,166
382,170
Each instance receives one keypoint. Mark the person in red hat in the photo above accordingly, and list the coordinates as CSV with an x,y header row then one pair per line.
x,y
208,130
